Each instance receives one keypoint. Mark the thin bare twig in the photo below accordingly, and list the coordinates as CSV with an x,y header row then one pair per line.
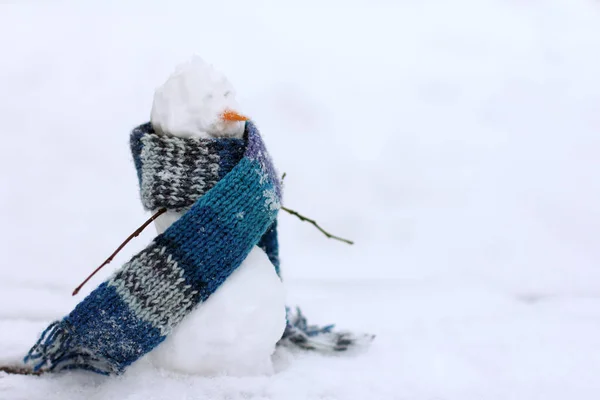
x,y
163,210
19,370
313,222
109,259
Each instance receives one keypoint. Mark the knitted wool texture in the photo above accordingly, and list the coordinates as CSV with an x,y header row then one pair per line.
x,y
132,312
175,172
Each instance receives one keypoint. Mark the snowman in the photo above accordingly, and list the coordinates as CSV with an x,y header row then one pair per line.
x,y
233,332
201,298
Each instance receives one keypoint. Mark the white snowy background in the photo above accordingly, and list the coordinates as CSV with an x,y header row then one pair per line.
x,y
457,142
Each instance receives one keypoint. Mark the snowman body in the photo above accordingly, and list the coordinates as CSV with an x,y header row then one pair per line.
x,y
233,332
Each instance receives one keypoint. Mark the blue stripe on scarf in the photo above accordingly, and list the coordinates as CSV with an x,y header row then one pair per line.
x,y
243,230
95,338
117,332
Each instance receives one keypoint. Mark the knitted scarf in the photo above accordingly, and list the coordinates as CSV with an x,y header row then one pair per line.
x,y
230,194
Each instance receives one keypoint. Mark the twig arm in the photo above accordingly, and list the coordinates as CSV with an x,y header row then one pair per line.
x,y
110,258
313,222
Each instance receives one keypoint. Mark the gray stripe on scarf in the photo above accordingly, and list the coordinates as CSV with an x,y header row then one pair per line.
x,y
175,175
154,288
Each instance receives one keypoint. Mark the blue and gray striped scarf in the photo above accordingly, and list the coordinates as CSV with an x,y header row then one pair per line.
x,y
231,194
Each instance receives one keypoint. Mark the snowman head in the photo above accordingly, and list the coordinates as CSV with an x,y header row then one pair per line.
x,y
197,101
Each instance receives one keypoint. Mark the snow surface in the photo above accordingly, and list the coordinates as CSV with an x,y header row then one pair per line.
x,y
455,141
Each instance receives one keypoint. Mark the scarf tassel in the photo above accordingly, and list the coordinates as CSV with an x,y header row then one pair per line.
x,y
322,339
54,350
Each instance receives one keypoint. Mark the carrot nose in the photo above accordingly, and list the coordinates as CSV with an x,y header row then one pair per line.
x,y
230,115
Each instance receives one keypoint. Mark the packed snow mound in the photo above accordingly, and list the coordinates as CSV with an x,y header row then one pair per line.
x,y
191,102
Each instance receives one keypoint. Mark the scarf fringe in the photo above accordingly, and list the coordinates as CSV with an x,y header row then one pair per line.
x,y
54,352
322,339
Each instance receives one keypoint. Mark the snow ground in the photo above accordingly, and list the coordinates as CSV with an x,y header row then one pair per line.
x,y
456,142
